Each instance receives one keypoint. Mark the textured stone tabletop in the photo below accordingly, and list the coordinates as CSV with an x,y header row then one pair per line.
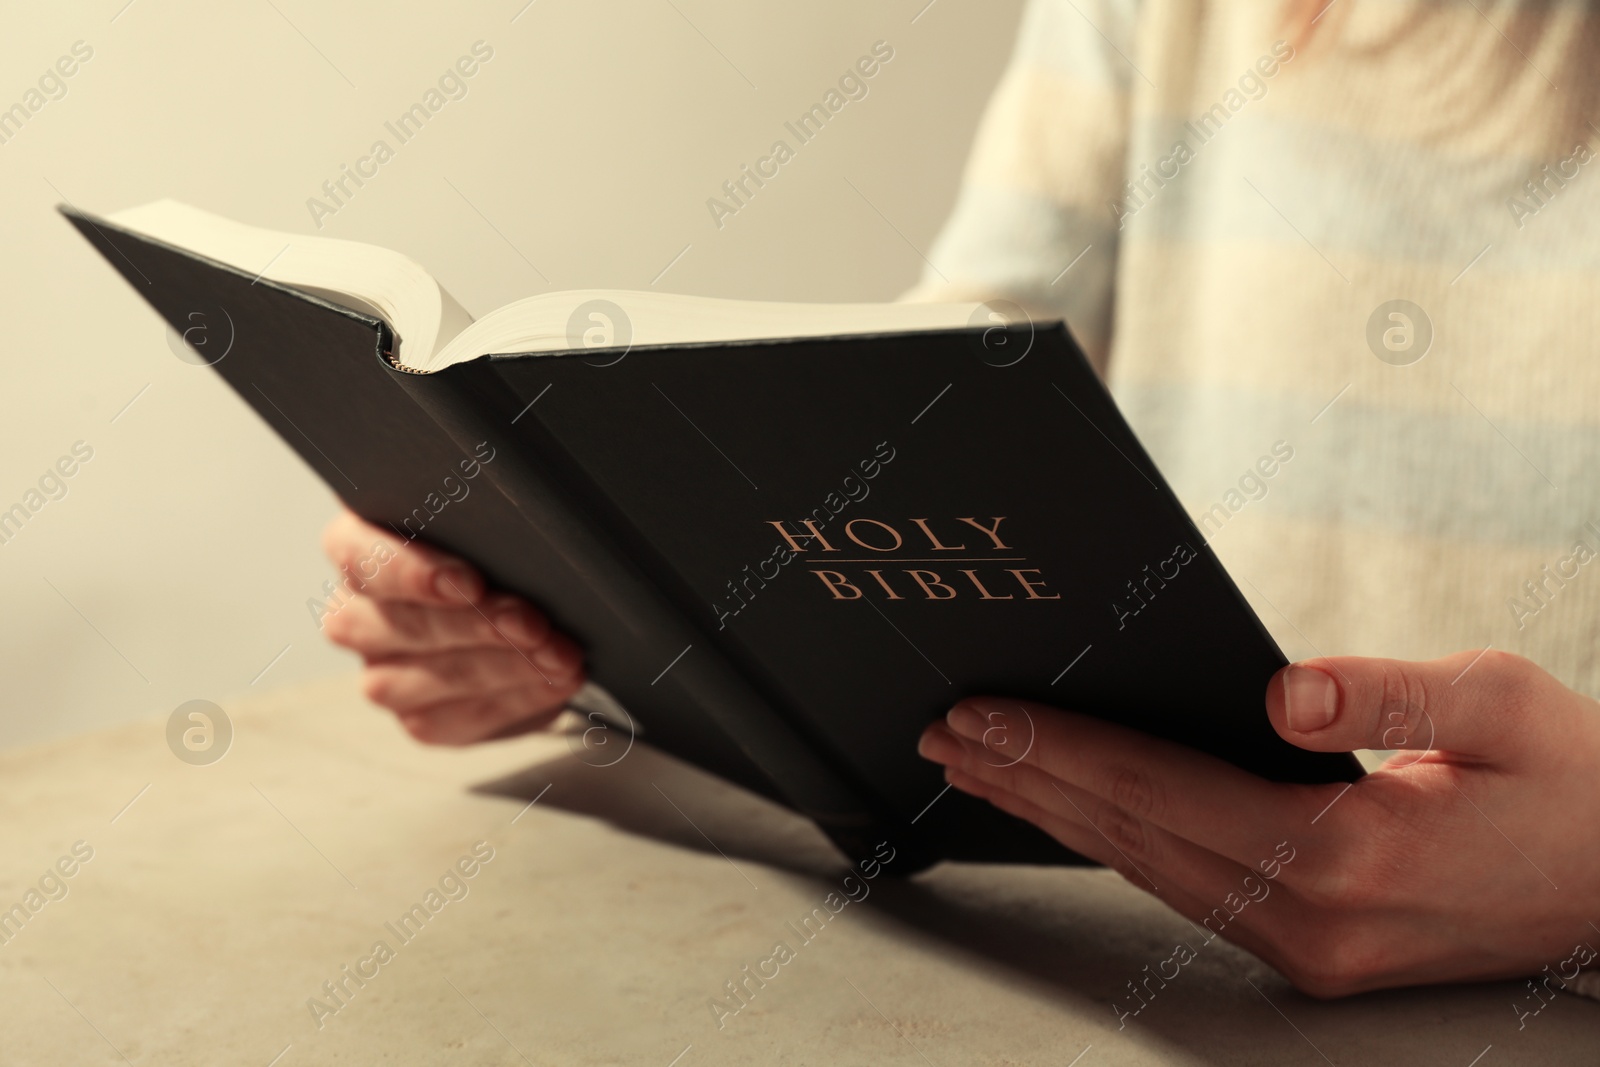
x,y
207,906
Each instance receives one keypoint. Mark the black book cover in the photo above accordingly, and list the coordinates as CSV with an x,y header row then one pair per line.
x,y
981,521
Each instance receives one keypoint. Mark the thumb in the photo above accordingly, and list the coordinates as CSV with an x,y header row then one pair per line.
x,y
1474,703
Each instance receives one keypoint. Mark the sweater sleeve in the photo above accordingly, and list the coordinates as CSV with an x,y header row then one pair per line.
x,y
1033,222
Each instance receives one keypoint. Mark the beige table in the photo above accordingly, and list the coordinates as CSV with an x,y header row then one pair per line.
x,y
218,902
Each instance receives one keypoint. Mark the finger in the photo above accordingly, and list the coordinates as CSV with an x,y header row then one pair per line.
x,y
383,565
1072,832
1206,905
382,629
1489,705
1194,795
482,718
415,683
1141,844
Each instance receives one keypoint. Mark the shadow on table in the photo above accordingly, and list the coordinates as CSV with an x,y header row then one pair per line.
x,y
1067,932
654,795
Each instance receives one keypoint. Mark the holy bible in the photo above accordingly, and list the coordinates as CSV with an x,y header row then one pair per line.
x,y
789,537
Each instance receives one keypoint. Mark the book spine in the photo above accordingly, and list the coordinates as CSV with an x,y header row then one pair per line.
x,y
540,482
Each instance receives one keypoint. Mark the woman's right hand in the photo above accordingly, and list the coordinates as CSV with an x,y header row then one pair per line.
x,y
455,661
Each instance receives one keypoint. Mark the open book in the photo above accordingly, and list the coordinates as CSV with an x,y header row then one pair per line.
x,y
788,536
434,331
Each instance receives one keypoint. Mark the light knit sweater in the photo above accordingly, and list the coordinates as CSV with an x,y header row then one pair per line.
x,y
1218,213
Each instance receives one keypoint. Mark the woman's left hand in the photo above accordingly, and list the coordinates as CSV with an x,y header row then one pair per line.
x,y
1473,853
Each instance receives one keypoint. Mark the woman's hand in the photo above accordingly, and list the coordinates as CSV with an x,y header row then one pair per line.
x,y
1474,852
454,661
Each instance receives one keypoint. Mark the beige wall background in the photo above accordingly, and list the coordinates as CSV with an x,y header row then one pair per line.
x,y
178,564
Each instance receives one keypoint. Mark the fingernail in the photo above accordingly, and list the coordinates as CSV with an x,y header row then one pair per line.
x,y
937,745
967,721
510,626
551,658
454,583
1310,697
